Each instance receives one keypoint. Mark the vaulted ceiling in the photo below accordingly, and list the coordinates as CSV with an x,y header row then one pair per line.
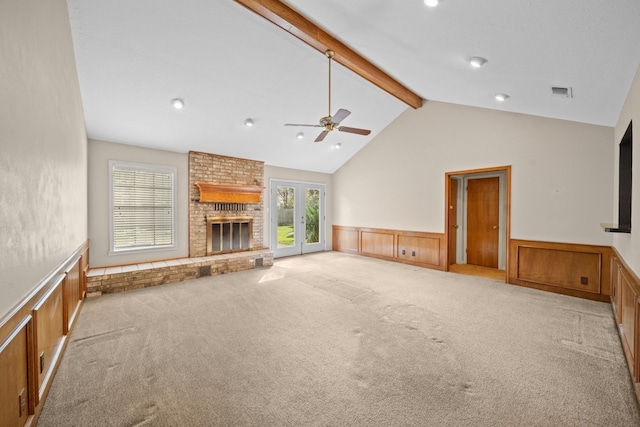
x,y
229,64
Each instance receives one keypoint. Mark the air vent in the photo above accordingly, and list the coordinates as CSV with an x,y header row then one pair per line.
x,y
229,207
561,92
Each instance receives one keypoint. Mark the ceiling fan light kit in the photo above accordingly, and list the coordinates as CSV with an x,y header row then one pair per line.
x,y
330,122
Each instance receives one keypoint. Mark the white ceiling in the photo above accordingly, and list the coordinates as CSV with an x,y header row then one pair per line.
x,y
229,64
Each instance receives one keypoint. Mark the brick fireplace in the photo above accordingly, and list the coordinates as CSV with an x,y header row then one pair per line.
x,y
218,203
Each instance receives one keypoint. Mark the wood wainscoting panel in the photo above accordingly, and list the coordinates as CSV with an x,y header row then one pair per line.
x,y
36,325
628,326
567,268
72,294
616,291
48,321
377,242
14,387
425,250
420,247
84,270
625,301
574,270
345,239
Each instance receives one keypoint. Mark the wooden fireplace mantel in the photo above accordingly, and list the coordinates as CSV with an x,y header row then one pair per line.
x,y
229,193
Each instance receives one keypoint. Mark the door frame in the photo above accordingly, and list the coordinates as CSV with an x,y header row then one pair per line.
x,y
273,232
506,170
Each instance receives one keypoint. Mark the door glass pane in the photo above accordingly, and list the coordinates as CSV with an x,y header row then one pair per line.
x,y
286,213
312,216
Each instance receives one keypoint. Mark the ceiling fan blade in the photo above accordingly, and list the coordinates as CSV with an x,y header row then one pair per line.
x,y
340,115
354,130
321,136
295,124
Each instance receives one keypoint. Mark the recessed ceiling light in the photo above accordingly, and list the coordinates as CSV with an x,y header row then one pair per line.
x,y
248,122
431,3
337,145
300,135
177,103
501,97
477,61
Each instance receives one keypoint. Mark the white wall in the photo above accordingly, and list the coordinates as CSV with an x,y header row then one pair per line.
x,y
43,161
628,245
273,172
561,172
100,153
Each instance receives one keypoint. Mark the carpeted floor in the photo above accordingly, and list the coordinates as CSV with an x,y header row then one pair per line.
x,y
332,339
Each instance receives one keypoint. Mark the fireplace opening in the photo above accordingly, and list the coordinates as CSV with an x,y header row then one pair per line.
x,y
229,234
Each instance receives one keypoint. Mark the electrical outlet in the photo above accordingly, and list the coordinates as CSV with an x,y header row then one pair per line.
x,y
413,253
584,280
42,362
404,252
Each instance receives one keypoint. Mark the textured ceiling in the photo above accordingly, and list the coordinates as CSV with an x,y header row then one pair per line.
x,y
229,64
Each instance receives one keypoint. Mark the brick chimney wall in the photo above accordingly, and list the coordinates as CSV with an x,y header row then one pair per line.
x,y
215,169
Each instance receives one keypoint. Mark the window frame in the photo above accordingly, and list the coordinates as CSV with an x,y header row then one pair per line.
x,y
171,170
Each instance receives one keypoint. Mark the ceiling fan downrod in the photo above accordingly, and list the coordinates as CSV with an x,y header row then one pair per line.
x,y
329,53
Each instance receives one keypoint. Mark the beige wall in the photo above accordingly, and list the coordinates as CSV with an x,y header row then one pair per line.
x,y
274,172
43,165
100,153
628,245
561,172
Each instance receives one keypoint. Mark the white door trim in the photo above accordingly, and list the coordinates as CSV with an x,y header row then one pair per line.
x,y
299,246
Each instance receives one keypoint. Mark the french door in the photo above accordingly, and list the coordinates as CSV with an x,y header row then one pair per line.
x,y
297,214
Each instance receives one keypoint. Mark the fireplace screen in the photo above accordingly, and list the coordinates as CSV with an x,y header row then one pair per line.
x,y
228,235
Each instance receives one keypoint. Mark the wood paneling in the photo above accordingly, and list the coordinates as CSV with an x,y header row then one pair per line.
x,y
72,295
345,239
377,243
48,320
625,299
420,248
14,387
567,269
616,292
84,270
570,269
33,326
628,304
297,25
424,250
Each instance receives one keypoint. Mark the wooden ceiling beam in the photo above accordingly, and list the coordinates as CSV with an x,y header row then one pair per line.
x,y
296,24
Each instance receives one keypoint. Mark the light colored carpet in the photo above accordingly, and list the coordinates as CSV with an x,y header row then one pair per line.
x,y
333,339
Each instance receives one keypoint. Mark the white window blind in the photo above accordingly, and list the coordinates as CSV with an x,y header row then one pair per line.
x,y
142,206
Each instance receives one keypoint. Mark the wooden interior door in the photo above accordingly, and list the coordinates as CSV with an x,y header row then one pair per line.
x,y
483,214
453,219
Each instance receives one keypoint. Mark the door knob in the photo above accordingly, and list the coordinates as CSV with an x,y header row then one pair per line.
x,y
495,227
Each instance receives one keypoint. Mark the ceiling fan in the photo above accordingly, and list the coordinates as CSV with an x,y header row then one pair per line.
x,y
330,122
